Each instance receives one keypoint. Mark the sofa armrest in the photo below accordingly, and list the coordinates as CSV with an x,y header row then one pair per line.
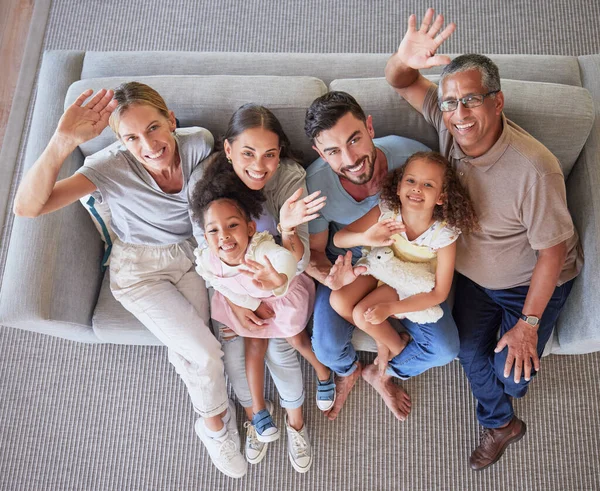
x,y
52,276
578,329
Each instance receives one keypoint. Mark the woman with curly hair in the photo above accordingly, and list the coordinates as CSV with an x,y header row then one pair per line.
x,y
255,152
422,210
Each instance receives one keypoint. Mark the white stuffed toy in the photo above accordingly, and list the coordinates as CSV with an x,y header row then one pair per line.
x,y
405,277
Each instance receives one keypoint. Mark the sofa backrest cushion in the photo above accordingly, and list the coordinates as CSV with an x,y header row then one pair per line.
x,y
209,101
324,66
560,116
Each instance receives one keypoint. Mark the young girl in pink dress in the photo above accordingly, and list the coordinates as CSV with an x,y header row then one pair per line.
x,y
249,269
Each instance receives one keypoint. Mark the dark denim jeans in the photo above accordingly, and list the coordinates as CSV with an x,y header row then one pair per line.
x,y
431,344
480,315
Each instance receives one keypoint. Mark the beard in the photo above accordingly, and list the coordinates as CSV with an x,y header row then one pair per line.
x,y
367,175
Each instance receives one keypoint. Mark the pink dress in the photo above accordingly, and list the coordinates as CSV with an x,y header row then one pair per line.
x,y
292,309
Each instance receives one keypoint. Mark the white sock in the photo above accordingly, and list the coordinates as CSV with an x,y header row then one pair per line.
x,y
226,417
214,434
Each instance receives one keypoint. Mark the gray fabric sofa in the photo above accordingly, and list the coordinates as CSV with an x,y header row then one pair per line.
x,y
53,281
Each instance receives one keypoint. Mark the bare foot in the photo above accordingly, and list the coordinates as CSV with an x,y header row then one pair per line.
x,y
394,396
343,386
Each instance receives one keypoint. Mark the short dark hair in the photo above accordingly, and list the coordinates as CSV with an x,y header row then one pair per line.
x,y
327,110
221,182
490,76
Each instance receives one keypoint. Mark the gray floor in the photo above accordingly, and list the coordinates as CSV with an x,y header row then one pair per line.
x,y
77,416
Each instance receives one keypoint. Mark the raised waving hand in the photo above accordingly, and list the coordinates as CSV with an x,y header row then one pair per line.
x,y
80,122
418,47
264,276
296,210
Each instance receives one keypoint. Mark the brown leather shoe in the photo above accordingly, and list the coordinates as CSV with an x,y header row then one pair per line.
x,y
493,443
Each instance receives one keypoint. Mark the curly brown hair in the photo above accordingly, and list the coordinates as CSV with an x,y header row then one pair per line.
x,y
457,209
221,182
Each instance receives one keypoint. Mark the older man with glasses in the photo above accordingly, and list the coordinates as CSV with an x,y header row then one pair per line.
x,y
516,272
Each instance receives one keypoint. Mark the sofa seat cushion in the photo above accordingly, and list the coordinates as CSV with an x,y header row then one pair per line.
x,y
112,323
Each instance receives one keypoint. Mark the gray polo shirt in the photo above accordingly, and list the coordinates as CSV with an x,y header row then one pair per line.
x,y
142,213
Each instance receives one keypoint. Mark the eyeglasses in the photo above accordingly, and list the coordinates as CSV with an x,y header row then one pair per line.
x,y
469,101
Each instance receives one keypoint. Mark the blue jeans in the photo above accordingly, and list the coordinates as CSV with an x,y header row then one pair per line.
x,y
431,344
480,314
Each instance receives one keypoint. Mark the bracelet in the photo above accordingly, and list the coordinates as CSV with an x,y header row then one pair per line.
x,y
284,231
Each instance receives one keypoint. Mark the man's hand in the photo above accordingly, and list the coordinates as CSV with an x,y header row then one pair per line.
x,y
418,47
264,276
252,320
379,234
378,313
522,350
342,273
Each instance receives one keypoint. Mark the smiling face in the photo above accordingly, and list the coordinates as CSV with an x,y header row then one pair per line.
x,y
348,148
421,186
477,129
148,135
255,156
227,231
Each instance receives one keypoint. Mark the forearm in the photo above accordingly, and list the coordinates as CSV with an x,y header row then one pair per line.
x,y
420,301
293,244
37,185
318,266
544,279
345,239
399,75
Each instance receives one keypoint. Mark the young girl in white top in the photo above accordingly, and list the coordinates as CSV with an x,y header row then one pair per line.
x,y
252,271
422,210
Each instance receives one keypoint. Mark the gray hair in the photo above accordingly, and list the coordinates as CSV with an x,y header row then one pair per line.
x,y
490,77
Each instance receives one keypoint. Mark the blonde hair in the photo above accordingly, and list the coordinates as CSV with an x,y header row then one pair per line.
x,y
135,93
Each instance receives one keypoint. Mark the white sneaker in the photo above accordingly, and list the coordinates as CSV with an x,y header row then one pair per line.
x,y
224,451
299,449
255,450
232,423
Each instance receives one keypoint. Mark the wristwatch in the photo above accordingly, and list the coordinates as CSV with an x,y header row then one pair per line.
x,y
532,320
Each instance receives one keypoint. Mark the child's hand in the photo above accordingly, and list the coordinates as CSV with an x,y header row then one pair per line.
x,y
296,211
378,313
379,234
265,276
248,319
342,273
264,312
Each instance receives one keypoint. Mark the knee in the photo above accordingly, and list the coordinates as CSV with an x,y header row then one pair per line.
x,y
300,341
445,349
446,353
358,318
255,347
340,305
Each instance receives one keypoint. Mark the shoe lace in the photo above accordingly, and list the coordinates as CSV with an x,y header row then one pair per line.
x,y
253,441
299,445
228,449
485,437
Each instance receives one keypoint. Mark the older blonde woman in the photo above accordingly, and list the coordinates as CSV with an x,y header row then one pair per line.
x,y
143,178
